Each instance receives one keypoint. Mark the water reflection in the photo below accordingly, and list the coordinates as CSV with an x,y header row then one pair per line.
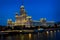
x,y
30,36
47,35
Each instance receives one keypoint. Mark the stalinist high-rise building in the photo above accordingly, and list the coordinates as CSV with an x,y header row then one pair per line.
x,y
21,20
24,20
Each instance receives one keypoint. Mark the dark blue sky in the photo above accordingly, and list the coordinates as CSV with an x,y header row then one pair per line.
x,y
49,9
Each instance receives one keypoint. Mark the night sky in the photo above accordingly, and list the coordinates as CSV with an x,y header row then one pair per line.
x,y
49,9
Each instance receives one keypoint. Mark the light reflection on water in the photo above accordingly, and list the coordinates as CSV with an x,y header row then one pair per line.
x,y
48,35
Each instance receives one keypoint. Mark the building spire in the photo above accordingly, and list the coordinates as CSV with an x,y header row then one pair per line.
x,y
22,5
22,9
22,2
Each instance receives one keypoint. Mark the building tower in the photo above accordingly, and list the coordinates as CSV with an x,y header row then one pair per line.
x,y
22,9
23,19
9,22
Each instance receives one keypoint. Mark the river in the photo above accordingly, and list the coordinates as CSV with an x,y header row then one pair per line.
x,y
46,35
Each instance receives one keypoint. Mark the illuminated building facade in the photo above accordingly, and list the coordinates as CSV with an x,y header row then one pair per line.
x,y
42,22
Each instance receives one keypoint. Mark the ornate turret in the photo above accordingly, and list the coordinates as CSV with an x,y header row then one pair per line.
x,y
9,22
16,15
43,20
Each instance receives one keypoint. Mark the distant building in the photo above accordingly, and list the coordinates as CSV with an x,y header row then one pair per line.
x,y
42,22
